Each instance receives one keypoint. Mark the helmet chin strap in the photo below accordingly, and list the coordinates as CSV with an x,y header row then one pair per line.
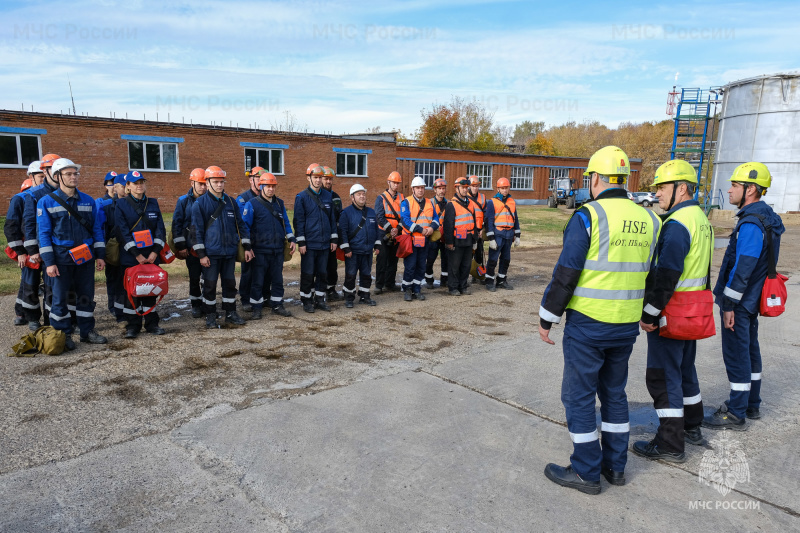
x,y
672,200
744,193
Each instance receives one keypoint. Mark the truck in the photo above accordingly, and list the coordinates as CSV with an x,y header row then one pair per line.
x,y
565,194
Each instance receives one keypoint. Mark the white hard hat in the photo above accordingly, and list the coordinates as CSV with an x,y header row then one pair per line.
x,y
61,164
34,167
418,181
357,187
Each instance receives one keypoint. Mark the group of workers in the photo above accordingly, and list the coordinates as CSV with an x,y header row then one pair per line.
x,y
620,268
50,219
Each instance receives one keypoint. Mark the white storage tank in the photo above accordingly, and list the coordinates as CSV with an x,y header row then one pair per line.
x,y
760,121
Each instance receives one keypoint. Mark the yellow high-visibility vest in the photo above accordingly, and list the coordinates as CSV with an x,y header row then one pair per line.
x,y
696,264
623,240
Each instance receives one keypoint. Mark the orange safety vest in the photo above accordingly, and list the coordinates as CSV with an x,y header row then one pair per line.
x,y
425,218
504,213
439,212
479,201
390,216
465,218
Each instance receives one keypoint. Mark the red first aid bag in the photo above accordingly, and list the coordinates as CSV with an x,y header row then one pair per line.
x,y
340,254
773,295
142,281
166,255
81,254
143,238
13,256
689,316
404,245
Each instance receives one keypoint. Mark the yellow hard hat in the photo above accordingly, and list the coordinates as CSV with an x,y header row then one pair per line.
x,y
610,161
753,172
675,170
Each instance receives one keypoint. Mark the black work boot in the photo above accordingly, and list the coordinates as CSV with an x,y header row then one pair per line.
x,y
722,419
650,450
367,301
131,332
256,314
407,296
197,311
20,321
490,285
566,477
211,320
234,318
308,306
333,296
418,295
155,329
281,310
69,344
503,284
694,436
321,304
429,284
94,338
33,325
348,303
613,477
753,413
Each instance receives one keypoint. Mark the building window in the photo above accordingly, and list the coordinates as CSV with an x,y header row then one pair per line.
x,y
429,171
587,181
351,164
152,156
521,178
484,172
270,160
557,174
19,150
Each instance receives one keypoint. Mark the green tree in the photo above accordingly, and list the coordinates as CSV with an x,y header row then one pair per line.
x,y
441,128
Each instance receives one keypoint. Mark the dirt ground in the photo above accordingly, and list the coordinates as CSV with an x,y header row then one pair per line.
x,y
55,408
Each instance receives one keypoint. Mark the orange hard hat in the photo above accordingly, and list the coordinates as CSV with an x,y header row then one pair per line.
x,y
503,182
439,182
328,172
214,172
395,177
474,180
198,175
27,184
267,178
312,170
47,161
255,171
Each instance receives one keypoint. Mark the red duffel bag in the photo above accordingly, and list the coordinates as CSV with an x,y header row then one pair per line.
x,y
689,316
773,295
405,246
142,281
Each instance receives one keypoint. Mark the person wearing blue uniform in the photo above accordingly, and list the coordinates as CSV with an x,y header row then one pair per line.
x,y
436,248
115,290
358,231
71,246
182,237
139,213
108,183
333,264
419,220
268,225
315,228
599,281
218,230
245,279
502,229
738,294
682,264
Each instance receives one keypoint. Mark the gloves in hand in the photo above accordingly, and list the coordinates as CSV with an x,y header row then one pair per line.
x,y
516,241
493,244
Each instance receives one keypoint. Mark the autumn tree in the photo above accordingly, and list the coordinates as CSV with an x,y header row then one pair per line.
x,y
441,127
526,131
540,145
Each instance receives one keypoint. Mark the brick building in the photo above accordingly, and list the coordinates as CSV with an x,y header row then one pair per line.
x,y
166,152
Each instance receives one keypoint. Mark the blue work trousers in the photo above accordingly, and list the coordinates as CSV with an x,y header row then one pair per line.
x,y
742,357
267,279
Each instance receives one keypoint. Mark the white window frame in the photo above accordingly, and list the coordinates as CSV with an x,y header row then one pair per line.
x,y
430,171
587,181
556,173
521,178
161,156
19,149
258,163
355,155
483,171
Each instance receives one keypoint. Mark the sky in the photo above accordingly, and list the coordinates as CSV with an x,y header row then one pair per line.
x,y
345,66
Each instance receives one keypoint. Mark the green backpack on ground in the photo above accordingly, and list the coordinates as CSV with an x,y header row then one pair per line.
x,y
46,339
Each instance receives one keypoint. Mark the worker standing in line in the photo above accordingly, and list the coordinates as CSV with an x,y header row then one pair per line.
x,y
502,229
460,233
268,224
358,230
682,263
182,235
600,281
245,279
436,248
218,230
480,207
72,245
115,274
108,183
387,209
333,265
738,292
27,307
419,221
315,228
134,215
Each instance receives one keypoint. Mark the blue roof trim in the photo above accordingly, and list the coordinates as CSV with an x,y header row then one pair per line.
x,y
152,138
264,145
351,151
28,131
481,162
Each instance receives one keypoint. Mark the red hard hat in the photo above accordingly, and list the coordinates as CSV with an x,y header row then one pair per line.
x,y
503,182
47,161
27,184
198,175
267,178
328,171
439,182
214,172
474,180
255,171
395,177
312,170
